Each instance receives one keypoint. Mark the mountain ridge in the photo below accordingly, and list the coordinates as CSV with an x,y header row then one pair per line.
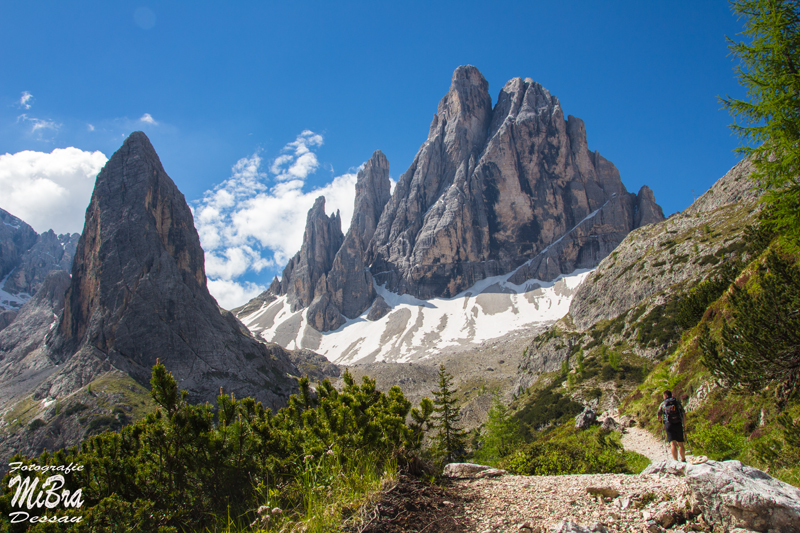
x,y
510,194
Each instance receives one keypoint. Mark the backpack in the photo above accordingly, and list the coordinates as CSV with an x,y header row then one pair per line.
x,y
672,412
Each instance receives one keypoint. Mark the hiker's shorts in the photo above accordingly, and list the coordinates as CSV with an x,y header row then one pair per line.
x,y
674,432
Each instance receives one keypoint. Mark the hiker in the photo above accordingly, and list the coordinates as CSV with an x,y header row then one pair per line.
x,y
672,413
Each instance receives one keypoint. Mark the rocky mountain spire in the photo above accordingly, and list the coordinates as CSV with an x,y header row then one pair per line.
x,y
530,184
425,191
138,294
322,239
348,290
647,210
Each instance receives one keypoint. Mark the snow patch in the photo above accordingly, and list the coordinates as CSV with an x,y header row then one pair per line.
x,y
11,301
415,329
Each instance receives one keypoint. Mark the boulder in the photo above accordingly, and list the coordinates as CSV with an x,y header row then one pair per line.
x,y
665,468
586,418
738,496
470,470
609,424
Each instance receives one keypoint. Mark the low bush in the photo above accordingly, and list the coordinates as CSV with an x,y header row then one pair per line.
x,y
573,451
184,469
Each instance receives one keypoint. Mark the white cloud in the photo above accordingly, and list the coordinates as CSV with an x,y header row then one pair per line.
x,y
255,219
230,294
26,100
148,119
49,191
38,124
89,127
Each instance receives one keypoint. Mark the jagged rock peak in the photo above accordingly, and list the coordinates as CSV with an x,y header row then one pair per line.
x,y
138,293
51,252
463,114
372,194
321,240
521,97
16,237
27,257
472,206
136,214
349,290
647,210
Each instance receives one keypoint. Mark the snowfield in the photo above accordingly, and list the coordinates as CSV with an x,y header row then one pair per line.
x,y
416,329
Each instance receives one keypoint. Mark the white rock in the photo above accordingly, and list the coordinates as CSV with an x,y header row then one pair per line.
x,y
470,470
664,468
738,496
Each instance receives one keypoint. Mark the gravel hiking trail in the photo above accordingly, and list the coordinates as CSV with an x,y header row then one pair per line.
x,y
534,504
642,441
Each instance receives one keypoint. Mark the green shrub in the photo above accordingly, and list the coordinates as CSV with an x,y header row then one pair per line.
x,y
718,442
36,423
614,359
75,408
694,304
572,451
183,468
545,407
500,435
594,394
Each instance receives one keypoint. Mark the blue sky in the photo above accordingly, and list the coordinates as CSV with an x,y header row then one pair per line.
x,y
258,106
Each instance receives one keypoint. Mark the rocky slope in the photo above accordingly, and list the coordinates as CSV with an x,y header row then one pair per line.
x,y
25,260
137,295
628,300
499,205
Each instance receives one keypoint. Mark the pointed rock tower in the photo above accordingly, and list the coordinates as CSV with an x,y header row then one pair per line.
x,y
348,290
138,294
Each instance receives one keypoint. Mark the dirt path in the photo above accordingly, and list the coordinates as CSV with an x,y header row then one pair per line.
x,y
535,504
527,504
642,441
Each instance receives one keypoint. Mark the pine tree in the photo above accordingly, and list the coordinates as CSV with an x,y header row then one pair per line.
x,y
500,436
449,441
770,71
761,345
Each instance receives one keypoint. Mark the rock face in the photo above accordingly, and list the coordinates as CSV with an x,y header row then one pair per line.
x,y
491,190
349,280
648,272
329,274
25,260
138,294
649,259
321,241
16,237
20,342
50,252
